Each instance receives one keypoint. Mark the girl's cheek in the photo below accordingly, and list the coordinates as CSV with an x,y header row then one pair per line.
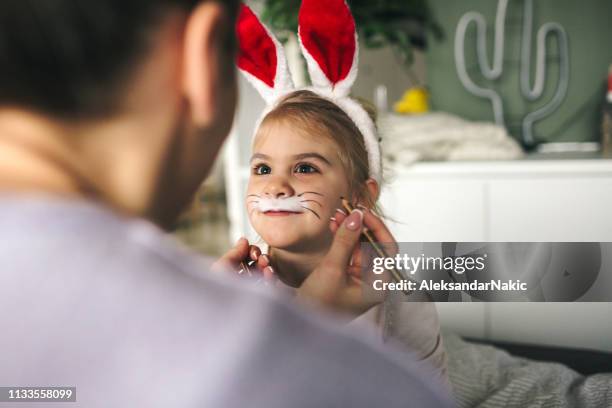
x,y
253,186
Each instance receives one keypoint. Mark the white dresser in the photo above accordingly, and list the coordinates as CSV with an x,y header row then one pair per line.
x,y
562,198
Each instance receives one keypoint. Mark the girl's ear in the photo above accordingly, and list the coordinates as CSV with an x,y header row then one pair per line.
x,y
369,195
373,189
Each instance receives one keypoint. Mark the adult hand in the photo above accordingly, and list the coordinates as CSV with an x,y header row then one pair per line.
x,y
246,255
337,283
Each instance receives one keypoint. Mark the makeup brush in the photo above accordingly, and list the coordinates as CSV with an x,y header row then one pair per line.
x,y
397,276
244,267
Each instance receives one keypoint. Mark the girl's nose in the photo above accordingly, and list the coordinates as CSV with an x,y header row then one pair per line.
x,y
278,187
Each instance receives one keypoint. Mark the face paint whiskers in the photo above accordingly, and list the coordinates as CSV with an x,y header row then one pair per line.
x,y
293,204
306,200
252,201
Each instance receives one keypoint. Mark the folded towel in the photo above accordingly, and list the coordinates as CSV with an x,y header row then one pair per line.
x,y
442,136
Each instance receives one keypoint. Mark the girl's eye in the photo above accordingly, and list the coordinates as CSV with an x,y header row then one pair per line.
x,y
305,169
261,169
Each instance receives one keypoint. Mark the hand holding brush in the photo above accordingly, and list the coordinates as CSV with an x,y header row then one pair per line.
x,y
246,260
337,282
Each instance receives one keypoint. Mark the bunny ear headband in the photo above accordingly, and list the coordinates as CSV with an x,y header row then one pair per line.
x,y
328,40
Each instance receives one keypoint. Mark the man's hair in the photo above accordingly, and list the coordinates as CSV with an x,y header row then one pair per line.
x,y
71,57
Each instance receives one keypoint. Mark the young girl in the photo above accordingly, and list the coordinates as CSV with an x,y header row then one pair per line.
x,y
312,147
307,154
304,159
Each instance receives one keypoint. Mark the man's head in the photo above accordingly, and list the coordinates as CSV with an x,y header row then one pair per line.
x,y
112,82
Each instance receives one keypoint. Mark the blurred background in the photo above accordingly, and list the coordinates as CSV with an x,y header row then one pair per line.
x,y
496,119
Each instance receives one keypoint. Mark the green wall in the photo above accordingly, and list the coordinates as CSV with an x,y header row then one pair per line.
x,y
589,27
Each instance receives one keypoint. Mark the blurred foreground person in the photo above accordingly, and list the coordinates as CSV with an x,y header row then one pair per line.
x,y
112,112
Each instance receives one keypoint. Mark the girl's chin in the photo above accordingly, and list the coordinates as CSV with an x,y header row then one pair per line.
x,y
292,239
283,239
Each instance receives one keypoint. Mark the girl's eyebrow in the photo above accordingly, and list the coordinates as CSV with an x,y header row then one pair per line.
x,y
311,155
259,156
302,156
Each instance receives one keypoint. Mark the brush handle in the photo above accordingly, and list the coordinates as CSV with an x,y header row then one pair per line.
x,y
395,274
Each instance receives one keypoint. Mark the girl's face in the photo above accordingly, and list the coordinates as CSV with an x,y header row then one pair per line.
x,y
294,188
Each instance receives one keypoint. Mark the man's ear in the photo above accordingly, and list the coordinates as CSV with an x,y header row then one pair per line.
x,y
203,75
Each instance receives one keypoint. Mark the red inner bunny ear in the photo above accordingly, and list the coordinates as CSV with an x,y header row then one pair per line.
x,y
327,31
256,52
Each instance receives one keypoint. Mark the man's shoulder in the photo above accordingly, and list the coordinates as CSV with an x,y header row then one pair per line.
x,y
86,241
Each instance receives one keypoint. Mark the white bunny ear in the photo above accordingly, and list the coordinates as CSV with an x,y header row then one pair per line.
x,y
261,57
329,43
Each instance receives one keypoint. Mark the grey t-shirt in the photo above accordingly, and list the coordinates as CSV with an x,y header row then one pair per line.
x,y
112,306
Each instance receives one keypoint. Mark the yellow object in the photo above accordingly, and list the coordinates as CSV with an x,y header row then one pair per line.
x,y
415,100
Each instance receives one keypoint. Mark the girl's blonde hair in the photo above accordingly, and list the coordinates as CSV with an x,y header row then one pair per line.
x,y
314,114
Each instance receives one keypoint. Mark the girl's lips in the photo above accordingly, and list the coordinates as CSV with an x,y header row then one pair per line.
x,y
280,213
